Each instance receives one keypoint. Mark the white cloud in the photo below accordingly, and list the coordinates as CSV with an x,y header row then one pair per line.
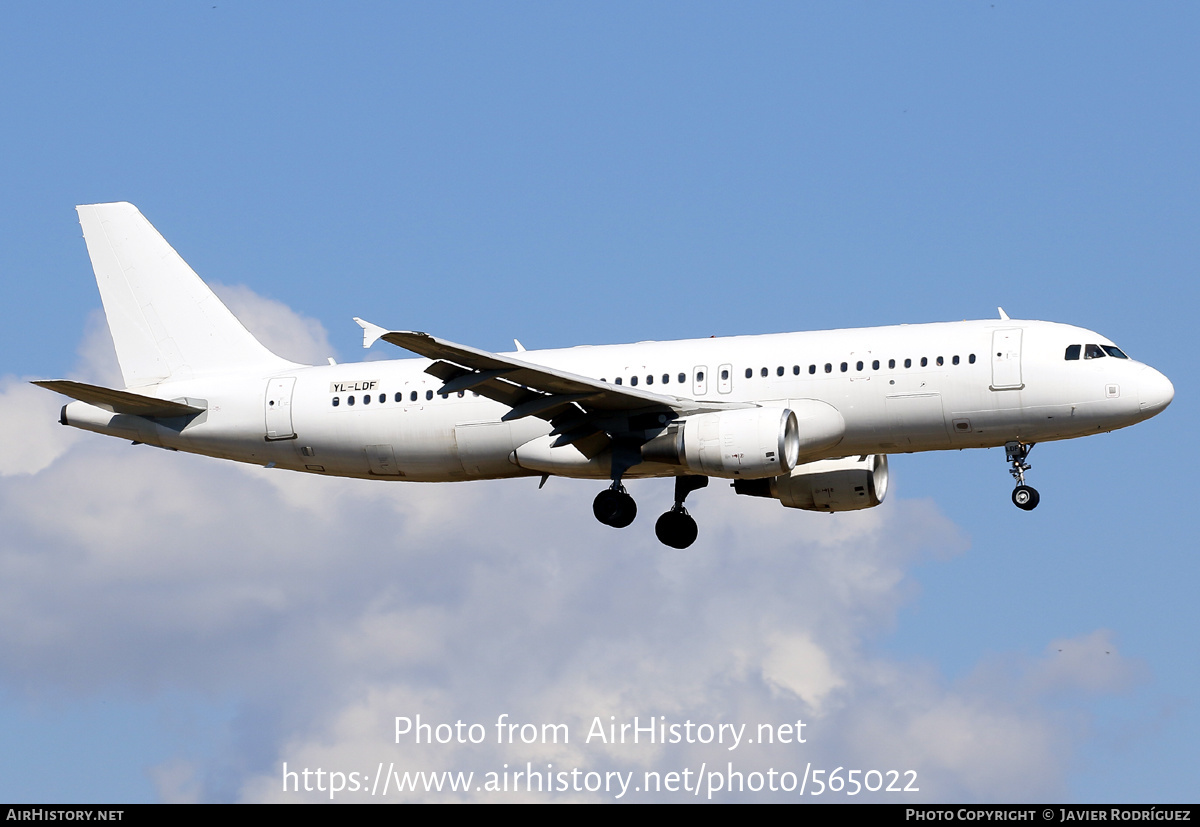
x,y
284,331
32,437
97,363
795,664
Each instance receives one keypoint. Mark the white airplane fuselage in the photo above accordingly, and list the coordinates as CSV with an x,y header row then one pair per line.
x,y
971,384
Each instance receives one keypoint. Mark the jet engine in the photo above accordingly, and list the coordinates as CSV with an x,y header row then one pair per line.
x,y
741,444
846,484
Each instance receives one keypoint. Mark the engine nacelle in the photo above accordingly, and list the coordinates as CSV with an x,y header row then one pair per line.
x,y
744,444
846,484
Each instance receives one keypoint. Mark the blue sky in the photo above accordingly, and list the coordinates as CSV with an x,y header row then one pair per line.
x,y
573,174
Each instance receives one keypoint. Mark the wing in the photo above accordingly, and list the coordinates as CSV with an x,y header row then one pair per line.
x,y
584,411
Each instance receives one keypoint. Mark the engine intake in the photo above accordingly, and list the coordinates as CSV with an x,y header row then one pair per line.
x,y
846,484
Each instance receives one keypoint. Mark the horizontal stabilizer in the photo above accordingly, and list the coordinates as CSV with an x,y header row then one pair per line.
x,y
122,402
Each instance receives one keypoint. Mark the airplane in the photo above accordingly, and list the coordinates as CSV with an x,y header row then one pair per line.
x,y
807,418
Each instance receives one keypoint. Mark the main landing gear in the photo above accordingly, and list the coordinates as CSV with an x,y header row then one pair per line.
x,y
676,528
614,507
1024,497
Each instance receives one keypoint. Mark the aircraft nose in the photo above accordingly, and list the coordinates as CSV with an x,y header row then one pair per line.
x,y
1155,391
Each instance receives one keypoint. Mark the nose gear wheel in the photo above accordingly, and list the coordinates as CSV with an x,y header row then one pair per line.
x,y
1025,498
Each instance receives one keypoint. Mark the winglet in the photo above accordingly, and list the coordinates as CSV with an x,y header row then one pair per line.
x,y
520,347
1003,315
372,333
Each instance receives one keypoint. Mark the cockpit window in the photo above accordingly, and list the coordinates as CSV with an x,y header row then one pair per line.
x,y
1073,352
1114,351
1093,352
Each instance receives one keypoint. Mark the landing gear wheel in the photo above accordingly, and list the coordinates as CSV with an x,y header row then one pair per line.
x,y
676,529
1025,497
614,507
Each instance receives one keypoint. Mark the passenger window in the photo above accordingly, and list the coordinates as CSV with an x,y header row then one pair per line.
x,y
666,378
350,400
366,399
633,381
699,376
764,372
749,373
858,366
618,380
1072,354
383,398
908,363
875,365
413,396
828,368
682,378
779,371
1093,352
795,370
428,395
891,364
812,369
844,367
461,394
971,358
940,361
399,396
954,360
336,401
650,379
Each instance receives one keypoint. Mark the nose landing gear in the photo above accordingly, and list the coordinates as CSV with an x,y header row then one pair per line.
x,y
1024,497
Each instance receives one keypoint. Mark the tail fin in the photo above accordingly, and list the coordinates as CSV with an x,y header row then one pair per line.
x,y
165,322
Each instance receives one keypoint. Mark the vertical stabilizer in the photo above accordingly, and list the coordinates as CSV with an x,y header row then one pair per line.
x,y
165,322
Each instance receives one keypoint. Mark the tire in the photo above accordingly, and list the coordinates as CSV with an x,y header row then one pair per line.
x,y
605,505
1025,497
614,508
626,511
676,529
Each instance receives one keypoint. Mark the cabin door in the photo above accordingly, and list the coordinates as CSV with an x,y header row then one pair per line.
x,y
1006,360
279,408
